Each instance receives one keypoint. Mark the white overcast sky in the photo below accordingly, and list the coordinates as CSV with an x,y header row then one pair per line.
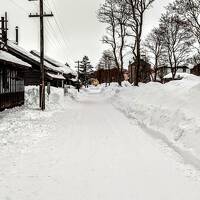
x,y
77,24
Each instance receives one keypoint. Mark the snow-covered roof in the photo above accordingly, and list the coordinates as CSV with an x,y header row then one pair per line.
x,y
56,76
66,69
36,59
178,75
74,79
5,56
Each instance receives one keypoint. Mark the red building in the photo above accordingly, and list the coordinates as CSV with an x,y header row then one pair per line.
x,y
108,75
144,71
196,70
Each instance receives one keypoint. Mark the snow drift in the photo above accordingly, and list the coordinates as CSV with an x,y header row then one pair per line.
x,y
55,101
171,110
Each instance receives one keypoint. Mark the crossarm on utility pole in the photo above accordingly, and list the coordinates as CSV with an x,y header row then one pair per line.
x,y
41,16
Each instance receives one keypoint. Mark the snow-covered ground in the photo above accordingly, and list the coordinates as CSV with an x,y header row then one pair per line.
x,y
83,148
169,112
19,124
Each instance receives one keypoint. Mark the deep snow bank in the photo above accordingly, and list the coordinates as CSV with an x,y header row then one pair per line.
x,y
55,101
22,126
171,109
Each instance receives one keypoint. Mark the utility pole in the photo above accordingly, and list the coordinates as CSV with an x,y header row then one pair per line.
x,y
78,87
85,71
4,31
131,68
109,63
106,64
41,16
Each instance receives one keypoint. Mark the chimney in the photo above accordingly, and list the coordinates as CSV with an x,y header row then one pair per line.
x,y
17,35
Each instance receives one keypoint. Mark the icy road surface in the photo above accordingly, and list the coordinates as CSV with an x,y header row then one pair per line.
x,y
92,152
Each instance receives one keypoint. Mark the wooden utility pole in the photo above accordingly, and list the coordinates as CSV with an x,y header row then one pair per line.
x,y
41,16
78,87
109,63
4,30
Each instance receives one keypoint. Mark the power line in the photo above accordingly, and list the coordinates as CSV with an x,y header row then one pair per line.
x,y
19,6
59,26
57,33
51,34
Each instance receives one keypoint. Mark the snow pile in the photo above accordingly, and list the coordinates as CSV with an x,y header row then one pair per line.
x,y
172,110
126,84
178,75
55,101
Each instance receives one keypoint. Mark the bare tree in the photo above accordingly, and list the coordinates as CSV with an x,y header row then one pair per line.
x,y
178,41
106,14
107,62
154,45
188,10
122,20
137,9
194,60
113,13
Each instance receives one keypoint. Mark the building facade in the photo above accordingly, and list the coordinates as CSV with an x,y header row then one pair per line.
x,y
11,81
108,75
144,71
55,73
196,70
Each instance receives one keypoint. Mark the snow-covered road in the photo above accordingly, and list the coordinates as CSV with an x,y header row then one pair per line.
x,y
93,152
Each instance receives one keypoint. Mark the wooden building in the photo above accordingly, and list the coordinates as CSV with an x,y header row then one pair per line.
x,y
144,71
12,72
56,74
196,70
65,69
108,75
164,70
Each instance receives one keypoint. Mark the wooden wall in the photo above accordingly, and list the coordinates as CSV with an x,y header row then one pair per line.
x,y
104,76
144,72
196,70
32,77
11,87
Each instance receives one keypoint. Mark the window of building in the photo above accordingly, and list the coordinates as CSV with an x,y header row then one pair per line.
x,y
1,81
5,80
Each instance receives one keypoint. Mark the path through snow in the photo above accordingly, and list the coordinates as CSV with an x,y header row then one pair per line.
x,y
94,152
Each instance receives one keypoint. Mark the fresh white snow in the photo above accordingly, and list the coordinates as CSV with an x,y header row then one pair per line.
x,y
178,75
170,111
66,69
83,148
56,76
5,56
47,65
